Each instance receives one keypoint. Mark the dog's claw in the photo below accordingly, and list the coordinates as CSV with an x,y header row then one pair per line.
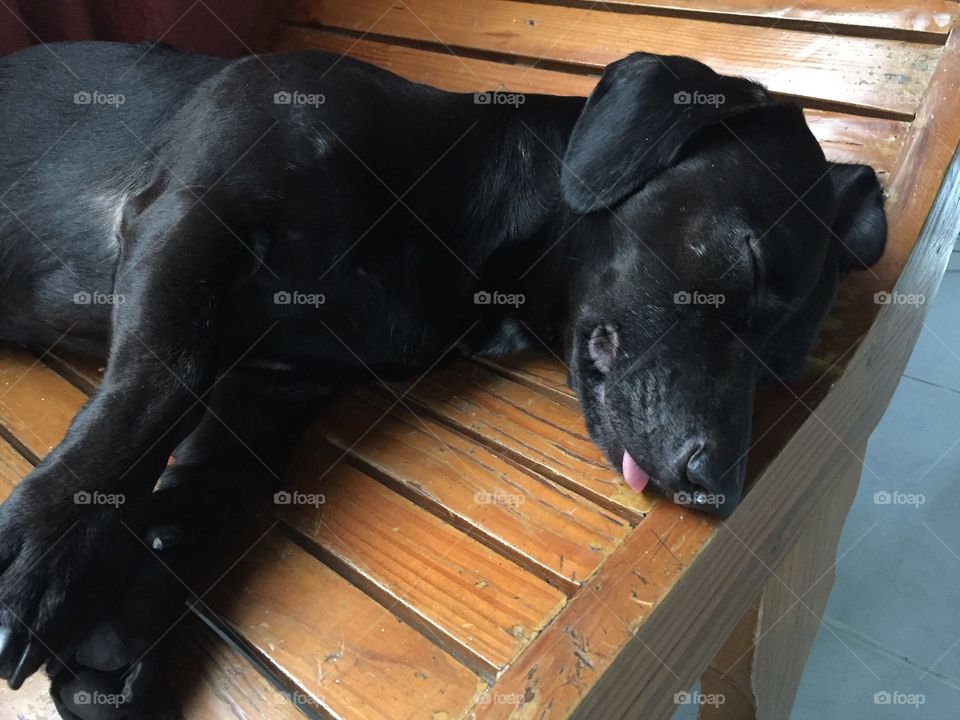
x,y
5,635
164,537
31,660
137,681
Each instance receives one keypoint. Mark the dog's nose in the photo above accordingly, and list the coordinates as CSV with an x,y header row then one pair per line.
x,y
711,486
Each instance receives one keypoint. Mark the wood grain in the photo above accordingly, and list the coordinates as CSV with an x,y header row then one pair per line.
x,y
481,608
347,655
854,72
546,528
36,405
845,138
528,427
580,645
922,19
13,467
215,682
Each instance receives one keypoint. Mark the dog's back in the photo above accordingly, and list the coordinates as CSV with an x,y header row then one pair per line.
x,y
77,119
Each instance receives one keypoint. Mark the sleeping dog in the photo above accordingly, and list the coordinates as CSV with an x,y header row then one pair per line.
x,y
240,239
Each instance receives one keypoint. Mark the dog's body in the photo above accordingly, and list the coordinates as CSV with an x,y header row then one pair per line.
x,y
310,180
241,238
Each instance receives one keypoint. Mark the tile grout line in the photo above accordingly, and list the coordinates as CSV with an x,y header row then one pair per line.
x,y
930,383
888,652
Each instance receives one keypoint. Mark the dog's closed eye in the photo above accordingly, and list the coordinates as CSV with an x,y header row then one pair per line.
x,y
602,347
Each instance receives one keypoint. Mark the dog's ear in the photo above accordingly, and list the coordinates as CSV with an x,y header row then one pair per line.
x,y
637,120
860,225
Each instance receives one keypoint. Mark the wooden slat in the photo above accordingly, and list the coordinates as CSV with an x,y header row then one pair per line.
x,y
480,607
215,682
349,655
845,138
929,20
847,71
83,372
36,405
44,402
13,467
528,427
212,680
350,535
538,371
543,526
567,658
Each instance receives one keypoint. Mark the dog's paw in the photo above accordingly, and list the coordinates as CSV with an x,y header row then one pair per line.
x,y
114,671
59,563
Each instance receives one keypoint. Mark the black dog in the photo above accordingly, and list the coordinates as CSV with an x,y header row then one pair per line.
x,y
242,238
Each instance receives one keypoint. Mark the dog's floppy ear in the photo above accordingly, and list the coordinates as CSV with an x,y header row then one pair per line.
x,y
860,226
637,120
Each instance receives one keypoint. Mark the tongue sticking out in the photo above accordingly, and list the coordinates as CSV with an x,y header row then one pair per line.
x,y
636,478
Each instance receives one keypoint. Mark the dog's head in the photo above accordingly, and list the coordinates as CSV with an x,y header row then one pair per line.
x,y
710,232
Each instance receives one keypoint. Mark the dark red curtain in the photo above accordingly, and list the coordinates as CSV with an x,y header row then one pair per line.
x,y
215,27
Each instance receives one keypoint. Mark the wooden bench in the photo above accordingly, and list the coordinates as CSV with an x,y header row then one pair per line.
x,y
474,557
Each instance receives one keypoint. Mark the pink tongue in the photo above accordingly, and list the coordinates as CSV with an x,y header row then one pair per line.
x,y
636,478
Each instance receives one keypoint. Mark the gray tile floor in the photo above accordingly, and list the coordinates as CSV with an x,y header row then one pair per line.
x,y
889,644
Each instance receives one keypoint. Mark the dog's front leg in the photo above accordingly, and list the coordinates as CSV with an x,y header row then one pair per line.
x,y
225,471
65,549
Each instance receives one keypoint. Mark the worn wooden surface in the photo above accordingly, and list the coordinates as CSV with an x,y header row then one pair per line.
x,y
473,556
